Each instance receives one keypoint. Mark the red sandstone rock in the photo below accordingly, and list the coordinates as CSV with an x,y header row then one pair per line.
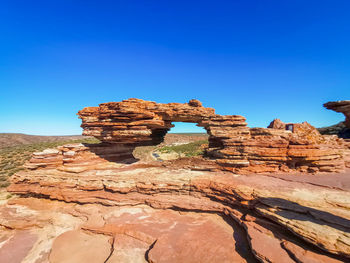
x,y
265,241
342,106
277,124
234,146
128,249
138,122
78,246
315,210
106,213
302,255
195,103
16,248
127,234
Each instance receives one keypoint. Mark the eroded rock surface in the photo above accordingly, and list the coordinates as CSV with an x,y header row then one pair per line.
x,y
274,218
97,203
115,234
233,145
342,106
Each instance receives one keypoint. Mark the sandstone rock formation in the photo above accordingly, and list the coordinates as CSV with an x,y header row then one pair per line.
x,y
79,202
79,157
268,218
139,122
235,146
342,106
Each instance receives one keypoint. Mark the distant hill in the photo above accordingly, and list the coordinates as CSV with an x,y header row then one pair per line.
x,y
338,129
14,139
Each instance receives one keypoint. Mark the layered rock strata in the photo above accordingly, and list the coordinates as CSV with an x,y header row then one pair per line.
x,y
232,144
302,148
81,157
79,203
139,122
279,218
342,106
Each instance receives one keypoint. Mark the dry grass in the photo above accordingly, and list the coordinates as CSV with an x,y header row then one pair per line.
x,y
14,139
189,149
185,144
144,153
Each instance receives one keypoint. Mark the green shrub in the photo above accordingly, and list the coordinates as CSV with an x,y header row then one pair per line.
x,y
188,149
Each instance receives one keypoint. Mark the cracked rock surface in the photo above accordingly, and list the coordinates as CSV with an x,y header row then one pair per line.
x,y
153,213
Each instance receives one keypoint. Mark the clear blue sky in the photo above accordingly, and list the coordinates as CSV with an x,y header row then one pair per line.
x,y
259,59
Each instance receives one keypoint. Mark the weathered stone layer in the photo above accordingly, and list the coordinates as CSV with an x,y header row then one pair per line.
x,y
315,210
342,106
137,121
235,146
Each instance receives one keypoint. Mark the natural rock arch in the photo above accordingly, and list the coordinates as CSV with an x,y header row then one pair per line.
x,y
139,122
290,215
232,144
135,122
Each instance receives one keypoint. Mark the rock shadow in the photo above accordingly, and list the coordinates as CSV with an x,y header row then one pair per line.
x,y
113,152
241,240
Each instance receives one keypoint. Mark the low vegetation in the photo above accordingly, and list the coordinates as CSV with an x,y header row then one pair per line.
x,y
12,158
189,149
14,139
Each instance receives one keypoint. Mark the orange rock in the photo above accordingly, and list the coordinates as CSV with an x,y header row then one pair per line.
x,y
305,210
342,106
79,246
235,146
112,208
16,248
303,255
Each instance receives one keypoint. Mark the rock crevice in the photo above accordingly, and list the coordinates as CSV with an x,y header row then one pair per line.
x,y
265,206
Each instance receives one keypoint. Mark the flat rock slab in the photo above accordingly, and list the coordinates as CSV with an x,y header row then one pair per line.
x,y
139,214
177,237
96,233
17,246
128,250
77,246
